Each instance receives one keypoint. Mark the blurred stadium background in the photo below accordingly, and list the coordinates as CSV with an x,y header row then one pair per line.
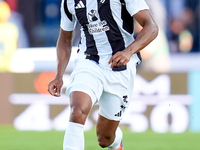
x,y
165,108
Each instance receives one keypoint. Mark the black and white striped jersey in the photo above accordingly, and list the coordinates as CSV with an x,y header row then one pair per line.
x,y
106,25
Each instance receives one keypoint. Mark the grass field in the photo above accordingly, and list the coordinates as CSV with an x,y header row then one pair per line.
x,y
11,139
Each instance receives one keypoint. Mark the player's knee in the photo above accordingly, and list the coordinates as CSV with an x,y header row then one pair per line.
x,y
77,115
104,140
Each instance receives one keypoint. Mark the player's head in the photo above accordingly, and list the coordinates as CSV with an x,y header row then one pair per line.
x,y
4,11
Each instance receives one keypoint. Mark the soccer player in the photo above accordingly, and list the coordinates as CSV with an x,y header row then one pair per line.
x,y
105,66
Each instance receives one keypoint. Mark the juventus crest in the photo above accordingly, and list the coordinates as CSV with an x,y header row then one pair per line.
x,y
93,15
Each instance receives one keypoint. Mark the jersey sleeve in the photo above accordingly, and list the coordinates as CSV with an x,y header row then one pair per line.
x,y
134,6
68,21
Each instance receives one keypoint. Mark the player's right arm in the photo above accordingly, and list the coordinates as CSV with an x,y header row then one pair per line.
x,y
63,48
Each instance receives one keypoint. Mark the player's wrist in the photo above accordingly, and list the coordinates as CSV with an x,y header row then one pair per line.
x,y
59,76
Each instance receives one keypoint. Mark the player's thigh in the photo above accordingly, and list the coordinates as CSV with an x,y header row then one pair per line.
x,y
117,94
113,106
86,78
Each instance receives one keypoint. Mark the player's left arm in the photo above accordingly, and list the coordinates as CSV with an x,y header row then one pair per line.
x,y
145,36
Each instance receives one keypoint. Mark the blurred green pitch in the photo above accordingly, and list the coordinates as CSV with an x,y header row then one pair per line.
x,y
11,139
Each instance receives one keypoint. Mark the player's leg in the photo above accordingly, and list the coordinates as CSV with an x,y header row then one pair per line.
x,y
80,104
83,91
111,110
113,105
108,133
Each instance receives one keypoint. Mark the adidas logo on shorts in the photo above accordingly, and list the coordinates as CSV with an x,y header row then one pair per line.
x,y
122,107
119,114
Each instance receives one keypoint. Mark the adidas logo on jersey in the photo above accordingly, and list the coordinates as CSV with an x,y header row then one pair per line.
x,y
80,5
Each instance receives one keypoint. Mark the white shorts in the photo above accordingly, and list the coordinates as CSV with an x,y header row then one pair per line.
x,y
111,89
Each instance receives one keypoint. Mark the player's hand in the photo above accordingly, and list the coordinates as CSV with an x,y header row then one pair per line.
x,y
54,87
120,58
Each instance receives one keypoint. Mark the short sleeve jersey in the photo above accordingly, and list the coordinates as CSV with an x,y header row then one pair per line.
x,y
106,25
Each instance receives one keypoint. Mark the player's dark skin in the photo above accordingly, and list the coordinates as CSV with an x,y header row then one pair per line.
x,y
80,102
